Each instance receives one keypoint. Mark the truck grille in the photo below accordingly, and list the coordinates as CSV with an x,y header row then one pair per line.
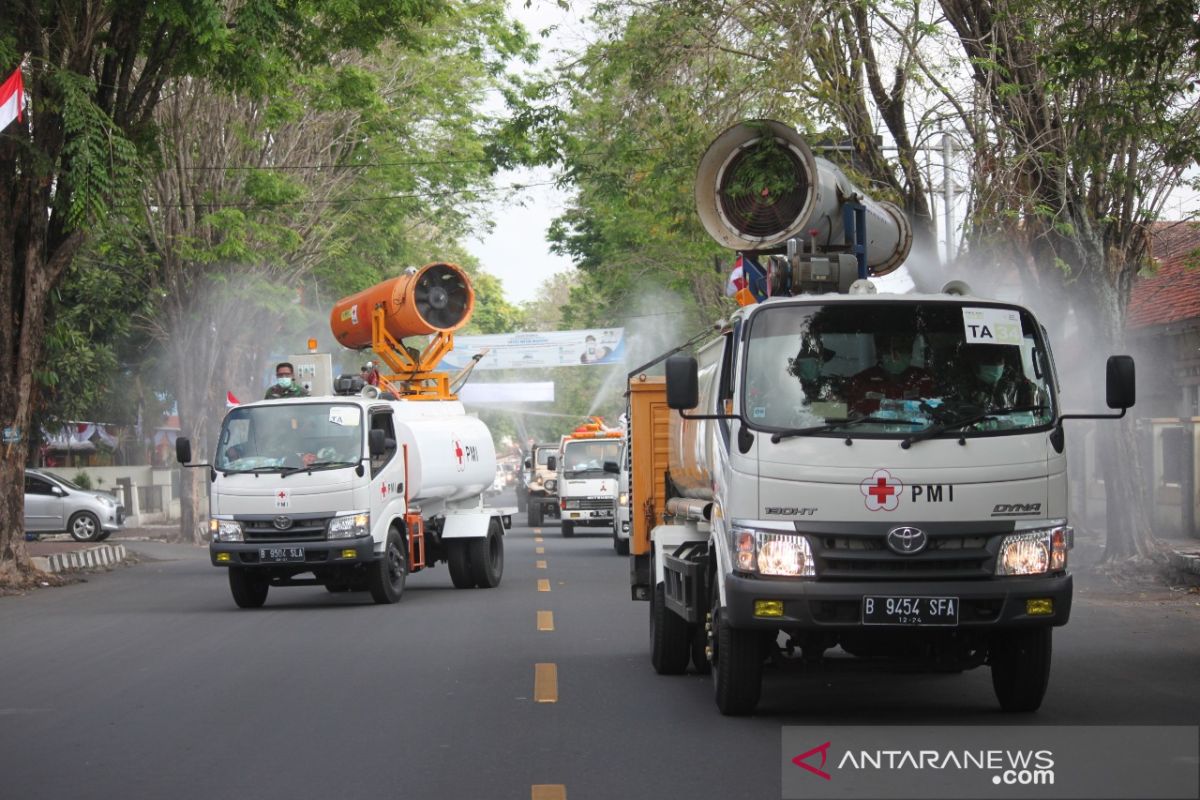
x,y
591,503
866,557
303,529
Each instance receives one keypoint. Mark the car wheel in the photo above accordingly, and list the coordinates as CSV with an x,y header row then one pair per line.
x,y
84,527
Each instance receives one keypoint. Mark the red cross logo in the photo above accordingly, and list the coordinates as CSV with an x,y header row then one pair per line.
x,y
282,494
383,490
458,454
881,491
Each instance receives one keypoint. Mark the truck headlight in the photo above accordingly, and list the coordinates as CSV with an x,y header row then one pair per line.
x,y
226,530
551,485
767,553
623,499
349,526
1035,552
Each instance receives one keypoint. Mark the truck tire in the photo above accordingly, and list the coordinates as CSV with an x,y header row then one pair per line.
x,y
669,646
1020,662
568,529
486,557
737,667
248,589
535,513
621,546
386,577
458,559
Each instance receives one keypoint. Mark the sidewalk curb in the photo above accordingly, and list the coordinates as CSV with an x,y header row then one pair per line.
x,y
105,555
1188,562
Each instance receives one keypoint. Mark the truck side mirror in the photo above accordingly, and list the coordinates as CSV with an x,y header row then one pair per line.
x,y
1120,384
552,463
683,382
377,442
612,467
183,449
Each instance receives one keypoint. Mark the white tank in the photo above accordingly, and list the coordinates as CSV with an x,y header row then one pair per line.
x,y
689,450
450,454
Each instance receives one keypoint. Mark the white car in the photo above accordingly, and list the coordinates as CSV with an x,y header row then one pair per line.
x,y
55,505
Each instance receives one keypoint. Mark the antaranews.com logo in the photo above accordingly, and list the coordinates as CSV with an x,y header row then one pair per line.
x,y
981,762
1007,767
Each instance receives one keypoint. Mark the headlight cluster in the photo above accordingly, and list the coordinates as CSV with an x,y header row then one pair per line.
x,y
767,553
349,526
1035,552
551,485
623,499
225,530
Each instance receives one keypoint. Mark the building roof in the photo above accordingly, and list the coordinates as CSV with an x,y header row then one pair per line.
x,y
1172,293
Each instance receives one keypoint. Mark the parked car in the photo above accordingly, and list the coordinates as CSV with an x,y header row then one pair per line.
x,y
55,505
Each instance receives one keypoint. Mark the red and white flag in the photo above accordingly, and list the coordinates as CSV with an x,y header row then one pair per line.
x,y
737,278
12,99
231,400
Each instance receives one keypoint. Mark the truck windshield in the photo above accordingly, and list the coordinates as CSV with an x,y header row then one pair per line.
x,y
896,370
283,437
589,456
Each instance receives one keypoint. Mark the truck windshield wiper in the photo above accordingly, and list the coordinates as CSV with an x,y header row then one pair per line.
x,y
317,465
939,428
251,471
776,438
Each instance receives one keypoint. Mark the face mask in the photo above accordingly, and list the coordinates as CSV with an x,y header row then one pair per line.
x,y
990,373
285,382
808,369
894,365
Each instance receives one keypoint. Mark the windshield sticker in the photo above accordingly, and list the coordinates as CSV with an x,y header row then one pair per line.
x,y
283,498
881,491
344,415
992,326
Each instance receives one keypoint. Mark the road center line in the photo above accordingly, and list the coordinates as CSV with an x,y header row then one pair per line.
x,y
549,791
541,565
543,584
545,620
545,683
540,550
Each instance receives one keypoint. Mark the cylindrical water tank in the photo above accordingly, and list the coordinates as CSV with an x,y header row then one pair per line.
x,y
436,297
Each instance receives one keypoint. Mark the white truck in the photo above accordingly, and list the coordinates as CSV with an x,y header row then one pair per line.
x,y
355,489
588,466
853,476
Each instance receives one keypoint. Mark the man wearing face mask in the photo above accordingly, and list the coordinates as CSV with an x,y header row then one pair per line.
x,y
995,382
893,377
285,383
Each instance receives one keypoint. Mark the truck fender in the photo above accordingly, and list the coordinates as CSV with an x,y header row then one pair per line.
x,y
470,525
665,538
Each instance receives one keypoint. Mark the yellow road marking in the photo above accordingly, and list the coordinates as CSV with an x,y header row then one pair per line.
x,y
545,620
543,584
541,565
537,530
545,683
537,539
541,551
549,791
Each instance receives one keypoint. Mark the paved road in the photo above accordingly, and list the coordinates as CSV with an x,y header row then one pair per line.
x,y
148,682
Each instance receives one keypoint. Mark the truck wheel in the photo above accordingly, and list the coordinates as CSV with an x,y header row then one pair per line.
x,y
568,529
386,577
1021,668
248,590
620,545
459,561
669,650
737,667
486,557
535,513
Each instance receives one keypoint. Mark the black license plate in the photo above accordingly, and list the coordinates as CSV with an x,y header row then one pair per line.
x,y
280,554
910,610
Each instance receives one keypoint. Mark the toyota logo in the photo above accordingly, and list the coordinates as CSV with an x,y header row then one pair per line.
x,y
282,523
907,541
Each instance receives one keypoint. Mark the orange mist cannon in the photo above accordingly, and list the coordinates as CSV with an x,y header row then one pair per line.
x,y
435,299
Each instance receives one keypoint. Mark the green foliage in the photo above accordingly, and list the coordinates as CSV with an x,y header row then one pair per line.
x,y
82,480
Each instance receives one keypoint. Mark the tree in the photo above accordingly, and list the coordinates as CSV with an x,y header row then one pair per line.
x,y
1087,115
95,76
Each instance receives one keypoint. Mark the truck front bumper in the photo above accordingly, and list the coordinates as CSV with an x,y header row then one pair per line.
x,y
596,517
267,555
816,605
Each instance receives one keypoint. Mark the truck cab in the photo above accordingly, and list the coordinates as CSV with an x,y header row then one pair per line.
x,y
539,490
875,477
588,471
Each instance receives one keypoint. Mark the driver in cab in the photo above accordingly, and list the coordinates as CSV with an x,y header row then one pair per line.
x,y
892,377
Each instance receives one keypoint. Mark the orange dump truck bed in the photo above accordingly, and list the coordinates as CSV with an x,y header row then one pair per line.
x,y
648,424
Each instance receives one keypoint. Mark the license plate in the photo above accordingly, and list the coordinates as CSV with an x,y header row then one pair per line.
x,y
910,610
276,554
